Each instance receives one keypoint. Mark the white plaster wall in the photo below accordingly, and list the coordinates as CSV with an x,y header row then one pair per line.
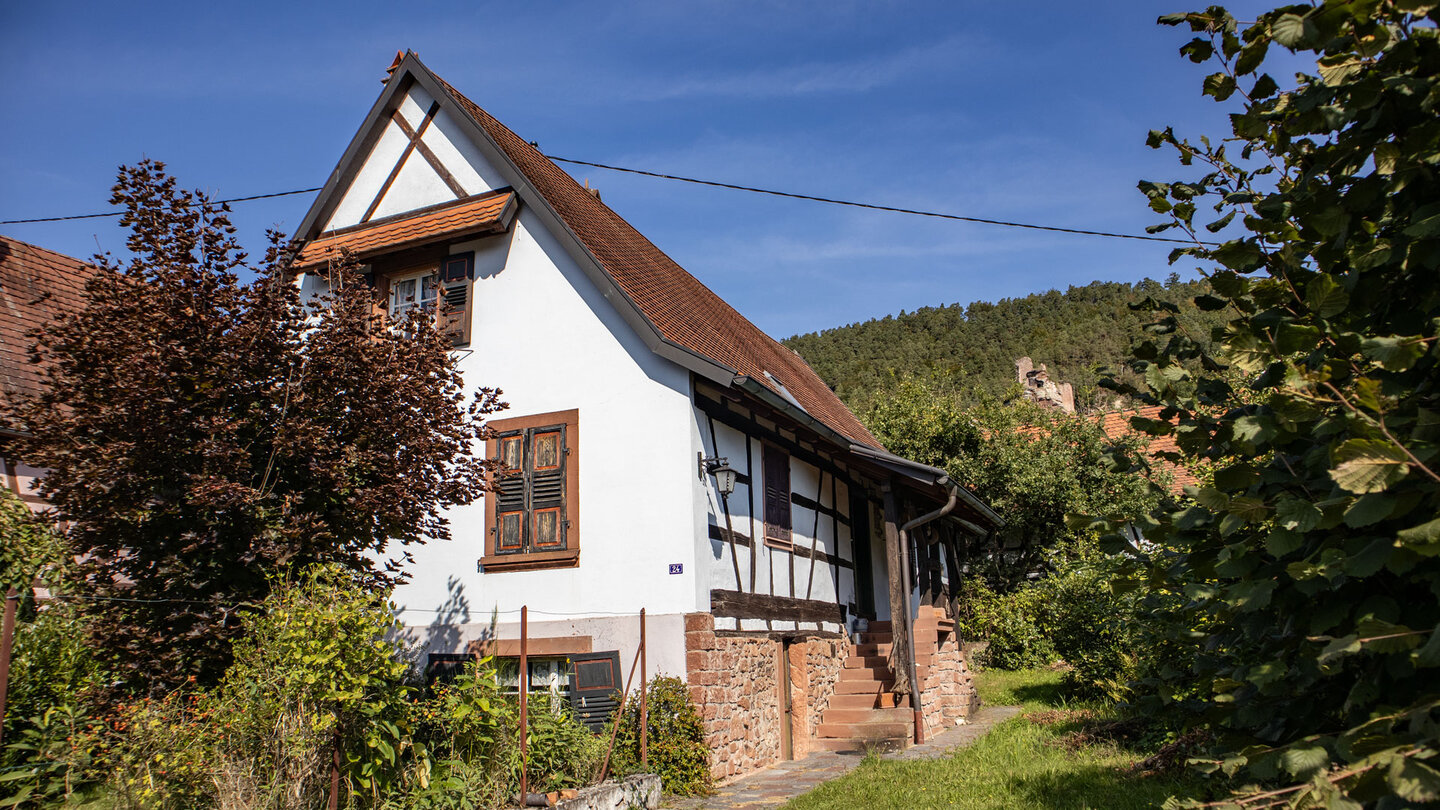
x,y
545,335
458,154
21,479
369,178
417,185
773,566
664,636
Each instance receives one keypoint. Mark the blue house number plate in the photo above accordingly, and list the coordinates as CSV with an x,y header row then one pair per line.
x,y
677,568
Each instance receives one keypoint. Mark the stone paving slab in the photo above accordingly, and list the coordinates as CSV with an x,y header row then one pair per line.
x,y
784,781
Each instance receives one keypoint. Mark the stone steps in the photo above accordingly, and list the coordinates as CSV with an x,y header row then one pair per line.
x,y
863,713
877,662
834,715
873,685
868,730
849,745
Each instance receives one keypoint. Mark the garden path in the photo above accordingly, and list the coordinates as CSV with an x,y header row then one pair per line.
x,y
778,784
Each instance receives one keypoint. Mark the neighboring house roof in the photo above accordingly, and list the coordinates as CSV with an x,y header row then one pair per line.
x,y
1116,424
678,311
482,213
36,285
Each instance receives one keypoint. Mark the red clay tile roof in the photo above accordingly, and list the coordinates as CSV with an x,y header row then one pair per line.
x,y
1117,424
36,285
684,311
479,214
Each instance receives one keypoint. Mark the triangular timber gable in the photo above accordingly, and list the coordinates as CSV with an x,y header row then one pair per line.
x,y
426,145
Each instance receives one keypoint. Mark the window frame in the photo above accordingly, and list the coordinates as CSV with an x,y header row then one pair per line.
x,y
496,561
453,277
418,276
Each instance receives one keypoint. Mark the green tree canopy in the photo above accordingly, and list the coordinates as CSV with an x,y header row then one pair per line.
x,y
1031,465
1079,333
1310,569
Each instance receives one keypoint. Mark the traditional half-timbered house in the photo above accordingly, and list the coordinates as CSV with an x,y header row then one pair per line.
x,y
631,385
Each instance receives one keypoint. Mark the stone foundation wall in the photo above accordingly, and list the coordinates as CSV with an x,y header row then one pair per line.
x,y
948,692
735,680
824,659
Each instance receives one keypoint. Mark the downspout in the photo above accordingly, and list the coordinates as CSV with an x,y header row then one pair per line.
x,y
905,582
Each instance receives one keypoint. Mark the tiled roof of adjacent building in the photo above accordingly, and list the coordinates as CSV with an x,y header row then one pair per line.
x,y
1117,424
479,214
684,311
36,285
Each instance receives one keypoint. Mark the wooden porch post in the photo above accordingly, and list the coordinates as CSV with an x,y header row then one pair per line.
x,y
900,648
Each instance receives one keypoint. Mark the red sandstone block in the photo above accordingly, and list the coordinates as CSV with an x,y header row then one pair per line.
x,y
699,640
699,621
703,678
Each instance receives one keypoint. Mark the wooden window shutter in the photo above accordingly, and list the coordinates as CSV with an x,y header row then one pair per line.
x,y
595,686
530,502
455,287
776,464
546,459
509,494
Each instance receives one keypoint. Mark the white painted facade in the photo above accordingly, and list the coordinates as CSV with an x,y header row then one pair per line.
x,y
545,334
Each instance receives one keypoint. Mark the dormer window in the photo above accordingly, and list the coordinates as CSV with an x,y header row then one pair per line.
x,y
441,289
411,291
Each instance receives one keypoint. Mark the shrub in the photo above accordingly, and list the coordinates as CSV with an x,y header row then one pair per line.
x,y
1093,630
466,719
562,753
50,667
314,671
54,758
164,754
1012,623
1070,615
675,739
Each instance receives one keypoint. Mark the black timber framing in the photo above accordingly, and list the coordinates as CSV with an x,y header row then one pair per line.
x,y
736,605
718,533
808,503
717,411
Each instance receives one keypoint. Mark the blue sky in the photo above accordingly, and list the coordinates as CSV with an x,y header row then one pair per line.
x,y
1034,113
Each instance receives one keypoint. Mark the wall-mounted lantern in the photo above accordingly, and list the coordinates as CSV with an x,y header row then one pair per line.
x,y
720,468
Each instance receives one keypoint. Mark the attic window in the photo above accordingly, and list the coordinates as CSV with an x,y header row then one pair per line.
x,y
416,290
784,392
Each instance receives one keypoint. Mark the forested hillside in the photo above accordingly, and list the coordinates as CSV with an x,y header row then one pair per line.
x,y
1078,334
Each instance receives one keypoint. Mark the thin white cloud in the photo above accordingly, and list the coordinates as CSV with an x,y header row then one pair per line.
x,y
809,78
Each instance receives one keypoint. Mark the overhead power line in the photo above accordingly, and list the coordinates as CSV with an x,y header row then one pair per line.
x,y
734,187
118,213
876,207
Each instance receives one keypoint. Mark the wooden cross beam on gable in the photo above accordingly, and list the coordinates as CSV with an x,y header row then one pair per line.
x,y
415,145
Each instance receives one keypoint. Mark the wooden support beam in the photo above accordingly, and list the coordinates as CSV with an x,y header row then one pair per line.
x,y
900,648
738,605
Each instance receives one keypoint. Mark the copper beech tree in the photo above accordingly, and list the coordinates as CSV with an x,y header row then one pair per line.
x,y
205,433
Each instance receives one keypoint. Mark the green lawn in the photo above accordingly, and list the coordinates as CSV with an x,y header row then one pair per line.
x,y
1052,759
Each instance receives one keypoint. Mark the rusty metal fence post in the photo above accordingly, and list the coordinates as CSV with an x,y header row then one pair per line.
x,y
644,706
7,638
524,701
